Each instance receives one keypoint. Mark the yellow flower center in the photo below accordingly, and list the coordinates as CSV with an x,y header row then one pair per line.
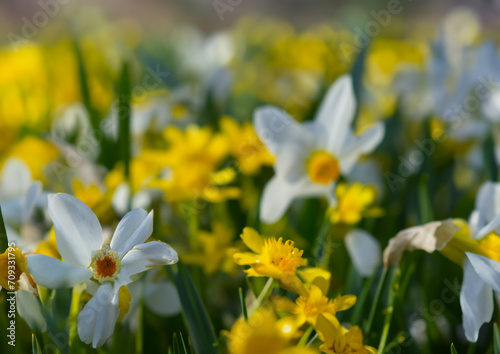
x,y
322,167
283,255
105,264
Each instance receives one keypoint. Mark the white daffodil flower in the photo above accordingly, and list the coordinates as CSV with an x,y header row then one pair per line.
x,y
87,256
19,194
476,298
311,156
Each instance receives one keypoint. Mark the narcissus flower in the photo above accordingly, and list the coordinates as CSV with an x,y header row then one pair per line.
x,y
467,244
339,340
14,271
310,157
353,202
272,258
263,333
19,194
216,250
109,266
246,146
307,307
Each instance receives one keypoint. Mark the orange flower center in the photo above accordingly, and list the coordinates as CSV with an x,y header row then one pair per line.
x,y
105,264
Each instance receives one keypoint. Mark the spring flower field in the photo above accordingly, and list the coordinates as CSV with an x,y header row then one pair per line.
x,y
258,188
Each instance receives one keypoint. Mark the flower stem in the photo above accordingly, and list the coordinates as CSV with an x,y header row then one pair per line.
x,y
378,292
361,300
390,309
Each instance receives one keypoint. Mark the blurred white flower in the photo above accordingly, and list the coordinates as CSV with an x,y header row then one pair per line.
x,y
310,157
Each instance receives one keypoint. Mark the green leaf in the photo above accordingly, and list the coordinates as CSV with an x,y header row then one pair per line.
x,y
124,96
490,166
496,337
198,323
4,241
452,349
84,86
357,72
243,304
178,345
424,200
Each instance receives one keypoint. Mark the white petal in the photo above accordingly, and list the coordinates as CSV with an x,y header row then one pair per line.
x,y
493,225
96,321
429,237
133,229
145,256
336,112
364,250
78,232
487,269
162,298
355,146
52,273
279,193
30,200
475,222
16,178
488,201
142,199
277,129
121,197
29,309
12,211
476,300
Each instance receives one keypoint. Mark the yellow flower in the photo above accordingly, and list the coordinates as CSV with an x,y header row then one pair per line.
x,y
48,246
263,333
14,271
246,146
272,258
353,202
36,153
217,250
339,340
307,307
96,199
193,159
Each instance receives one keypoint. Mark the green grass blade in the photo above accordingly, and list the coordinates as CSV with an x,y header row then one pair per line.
x,y
200,329
4,241
124,96
496,337
452,349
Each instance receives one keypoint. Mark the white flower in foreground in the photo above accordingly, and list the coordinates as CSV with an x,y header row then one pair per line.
x,y
88,257
457,239
310,157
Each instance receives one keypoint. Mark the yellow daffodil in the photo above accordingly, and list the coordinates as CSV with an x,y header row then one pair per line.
x,y
48,246
307,307
339,340
272,258
217,250
36,153
246,146
263,333
192,160
353,203
97,200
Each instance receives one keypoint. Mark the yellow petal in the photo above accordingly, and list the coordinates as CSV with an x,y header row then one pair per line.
x,y
252,239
